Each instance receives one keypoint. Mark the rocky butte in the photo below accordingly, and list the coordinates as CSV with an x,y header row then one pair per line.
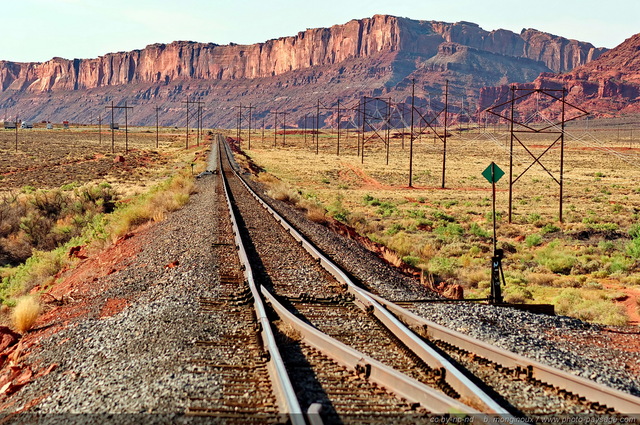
x,y
607,86
378,56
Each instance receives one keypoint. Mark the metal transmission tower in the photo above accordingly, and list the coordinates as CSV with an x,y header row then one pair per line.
x,y
376,117
425,124
518,127
198,119
239,123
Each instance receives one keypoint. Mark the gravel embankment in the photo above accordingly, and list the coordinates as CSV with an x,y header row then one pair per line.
x,y
137,360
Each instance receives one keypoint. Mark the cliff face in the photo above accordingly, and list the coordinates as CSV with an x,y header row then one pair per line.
x,y
605,86
365,57
364,38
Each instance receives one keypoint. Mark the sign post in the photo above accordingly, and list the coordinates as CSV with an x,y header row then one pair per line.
x,y
493,173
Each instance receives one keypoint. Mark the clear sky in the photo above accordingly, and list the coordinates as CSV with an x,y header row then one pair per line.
x,y
37,30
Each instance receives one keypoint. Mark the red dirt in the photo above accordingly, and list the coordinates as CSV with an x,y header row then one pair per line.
x,y
113,306
78,295
630,303
367,180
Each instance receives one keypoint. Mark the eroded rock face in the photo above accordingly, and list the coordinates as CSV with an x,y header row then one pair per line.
x,y
315,47
605,86
372,56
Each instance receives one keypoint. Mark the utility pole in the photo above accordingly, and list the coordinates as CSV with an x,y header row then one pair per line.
x,y
126,132
187,134
284,129
338,145
305,129
275,129
444,140
318,127
413,94
250,108
364,120
100,129
157,128
16,133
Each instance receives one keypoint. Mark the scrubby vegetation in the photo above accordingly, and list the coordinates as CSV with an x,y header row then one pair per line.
x,y
40,226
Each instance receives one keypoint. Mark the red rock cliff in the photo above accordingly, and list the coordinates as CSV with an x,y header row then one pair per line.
x,y
364,38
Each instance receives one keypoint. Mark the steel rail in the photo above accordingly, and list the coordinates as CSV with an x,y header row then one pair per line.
x,y
468,390
283,390
397,382
616,399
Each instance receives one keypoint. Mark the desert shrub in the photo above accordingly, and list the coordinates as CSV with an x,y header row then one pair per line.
x,y
412,260
549,228
533,240
535,219
338,211
619,264
14,249
442,266
633,248
401,243
634,231
556,258
590,306
281,192
541,279
417,214
46,219
25,313
315,211
472,277
606,246
439,215
449,232
517,294
394,228
267,178
49,204
386,209
476,230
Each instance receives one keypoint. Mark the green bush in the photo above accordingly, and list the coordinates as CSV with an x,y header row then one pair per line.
x,y
556,258
386,209
449,232
590,306
634,231
439,215
549,228
476,230
442,266
394,228
533,240
633,248
412,260
338,211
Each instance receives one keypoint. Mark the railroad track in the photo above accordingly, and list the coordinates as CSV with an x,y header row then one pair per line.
x,y
325,316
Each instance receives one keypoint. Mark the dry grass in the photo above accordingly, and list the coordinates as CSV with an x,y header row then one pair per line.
x,y
167,197
282,192
25,313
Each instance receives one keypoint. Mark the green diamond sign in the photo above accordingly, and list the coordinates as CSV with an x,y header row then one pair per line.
x,y
493,173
